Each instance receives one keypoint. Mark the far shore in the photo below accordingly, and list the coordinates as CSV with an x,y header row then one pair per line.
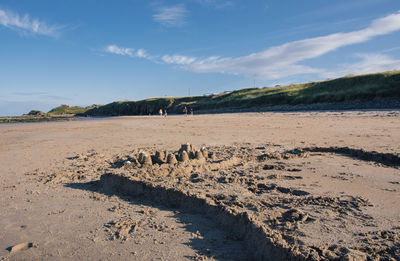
x,y
33,119
29,118
377,105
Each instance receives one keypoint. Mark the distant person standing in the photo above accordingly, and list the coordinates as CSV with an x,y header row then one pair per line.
x,y
165,113
185,111
161,112
191,111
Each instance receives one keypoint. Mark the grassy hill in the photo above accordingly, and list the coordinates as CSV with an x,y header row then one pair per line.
x,y
358,88
67,110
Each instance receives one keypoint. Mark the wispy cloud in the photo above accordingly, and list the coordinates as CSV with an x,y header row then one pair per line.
x,y
175,59
369,62
26,24
119,50
285,60
114,49
172,16
178,59
281,61
142,53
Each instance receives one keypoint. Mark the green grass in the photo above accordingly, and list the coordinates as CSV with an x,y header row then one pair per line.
x,y
66,110
62,110
346,89
57,114
36,113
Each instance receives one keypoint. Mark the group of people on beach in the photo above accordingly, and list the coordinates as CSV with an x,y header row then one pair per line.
x,y
185,111
161,112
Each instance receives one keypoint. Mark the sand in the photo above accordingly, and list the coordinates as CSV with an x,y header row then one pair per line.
x,y
266,186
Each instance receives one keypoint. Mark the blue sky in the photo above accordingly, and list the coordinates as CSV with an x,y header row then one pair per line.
x,y
86,52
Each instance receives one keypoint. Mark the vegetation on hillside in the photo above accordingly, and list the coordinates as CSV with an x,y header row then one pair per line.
x,y
61,113
36,113
67,110
346,89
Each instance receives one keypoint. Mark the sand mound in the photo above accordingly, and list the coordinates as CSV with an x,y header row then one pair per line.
x,y
253,193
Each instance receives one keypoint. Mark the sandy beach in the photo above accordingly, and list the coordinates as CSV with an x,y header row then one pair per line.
x,y
250,186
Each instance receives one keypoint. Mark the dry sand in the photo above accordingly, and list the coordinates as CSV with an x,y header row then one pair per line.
x,y
312,185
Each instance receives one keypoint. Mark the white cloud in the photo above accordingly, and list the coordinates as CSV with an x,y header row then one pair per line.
x,y
114,49
178,59
141,53
282,61
27,25
119,50
369,63
171,16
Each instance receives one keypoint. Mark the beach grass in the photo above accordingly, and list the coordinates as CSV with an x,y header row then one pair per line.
x,y
359,88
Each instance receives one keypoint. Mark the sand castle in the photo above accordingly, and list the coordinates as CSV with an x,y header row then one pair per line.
x,y
185,154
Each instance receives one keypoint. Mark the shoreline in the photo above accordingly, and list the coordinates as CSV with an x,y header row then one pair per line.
x,y
22,119
16,120
365,106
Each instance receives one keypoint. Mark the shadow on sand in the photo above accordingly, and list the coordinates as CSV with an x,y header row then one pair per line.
x,y
214,242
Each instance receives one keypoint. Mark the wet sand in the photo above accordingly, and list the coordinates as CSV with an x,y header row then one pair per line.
x,y
317,185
